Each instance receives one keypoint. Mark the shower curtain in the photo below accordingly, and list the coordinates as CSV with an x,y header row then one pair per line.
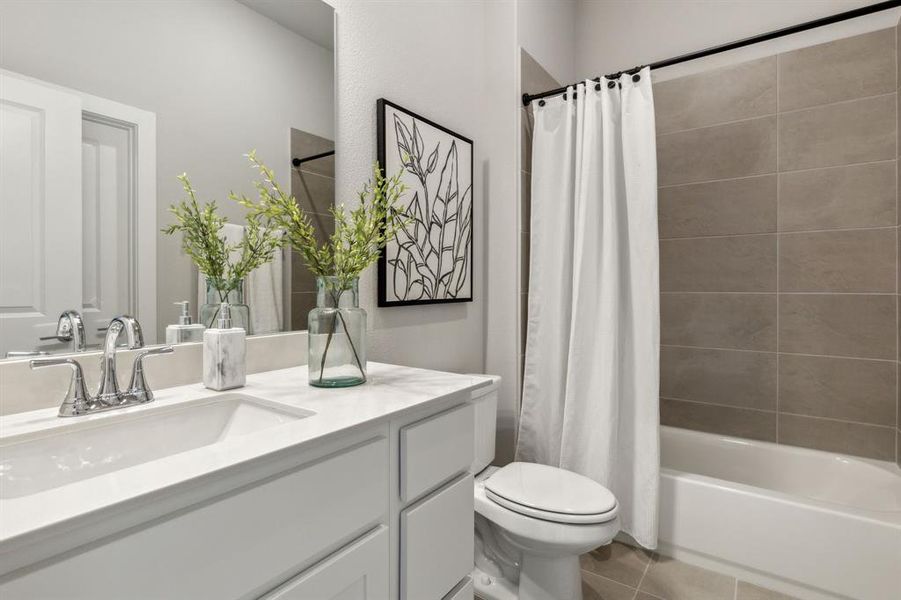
x,y
591,380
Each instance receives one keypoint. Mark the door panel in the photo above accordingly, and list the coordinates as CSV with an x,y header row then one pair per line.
x,y
40,210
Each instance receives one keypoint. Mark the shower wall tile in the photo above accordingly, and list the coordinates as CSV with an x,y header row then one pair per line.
x,y
734,206
838,197
718,152
837,436
837,134
525,122
838,388
729,94
305,144
838,261
738,321
729,377
314,193
726,420
838,325
719,264
855,67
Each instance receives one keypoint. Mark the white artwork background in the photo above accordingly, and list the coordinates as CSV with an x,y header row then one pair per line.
x,y
431,257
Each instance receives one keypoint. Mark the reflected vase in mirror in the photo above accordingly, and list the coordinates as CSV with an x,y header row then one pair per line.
x,y
240,312
337,335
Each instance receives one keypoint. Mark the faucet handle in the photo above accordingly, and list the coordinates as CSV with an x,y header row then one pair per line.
x,y
138,390
77,400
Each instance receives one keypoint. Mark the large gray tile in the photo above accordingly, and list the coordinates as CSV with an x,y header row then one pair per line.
x,y
304,144
725,420
898,447
617,561
719,264
838,325
741,321
731,377
524,266
838,197
838,134
314,193
728,94
302,280
533,77
838,388
838,261
837,436
854,67
732,206
301,305
718,152
526,131
748,591
595,587
525,199
675,580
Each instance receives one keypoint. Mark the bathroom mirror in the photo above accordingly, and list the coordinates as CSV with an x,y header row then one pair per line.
x,y
102,106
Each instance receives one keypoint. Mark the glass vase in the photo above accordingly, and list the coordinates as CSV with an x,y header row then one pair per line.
x,y
240,312
337,335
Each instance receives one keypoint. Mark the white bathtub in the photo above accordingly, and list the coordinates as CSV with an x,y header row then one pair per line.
x,y
808,523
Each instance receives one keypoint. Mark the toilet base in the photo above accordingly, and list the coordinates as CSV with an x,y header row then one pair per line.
x,y
542,579
489,587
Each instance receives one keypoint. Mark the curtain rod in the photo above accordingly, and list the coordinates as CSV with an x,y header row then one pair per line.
x,y
299,161
837,18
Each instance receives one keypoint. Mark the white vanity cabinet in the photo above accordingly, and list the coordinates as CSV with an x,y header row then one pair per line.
x,y
379,512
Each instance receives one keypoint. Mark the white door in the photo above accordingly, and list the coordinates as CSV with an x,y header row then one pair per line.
x,y
40,210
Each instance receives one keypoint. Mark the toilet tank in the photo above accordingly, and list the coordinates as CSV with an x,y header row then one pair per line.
x,y
484,400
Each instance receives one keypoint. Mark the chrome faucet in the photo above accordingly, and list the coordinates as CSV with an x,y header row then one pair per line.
x,y
108,393
79,402
70,328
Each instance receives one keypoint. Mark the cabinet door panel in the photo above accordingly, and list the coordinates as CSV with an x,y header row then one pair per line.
x,y
358,571
434,450
437,542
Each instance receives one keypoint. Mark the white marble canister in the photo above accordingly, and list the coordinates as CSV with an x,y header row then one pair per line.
x,y
224,352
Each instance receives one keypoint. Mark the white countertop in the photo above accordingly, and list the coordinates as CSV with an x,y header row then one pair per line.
x,y
390,391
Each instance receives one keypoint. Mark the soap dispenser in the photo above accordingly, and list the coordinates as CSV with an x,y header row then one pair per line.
x,y
224,351
186,330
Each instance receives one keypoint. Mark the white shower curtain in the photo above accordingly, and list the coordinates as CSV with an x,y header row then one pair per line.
x,y
590,388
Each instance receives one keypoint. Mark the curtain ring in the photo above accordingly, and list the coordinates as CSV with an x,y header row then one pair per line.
x,y
636,78
597,87
611,84
541,103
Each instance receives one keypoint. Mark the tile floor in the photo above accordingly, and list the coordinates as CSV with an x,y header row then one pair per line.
x,y
621,572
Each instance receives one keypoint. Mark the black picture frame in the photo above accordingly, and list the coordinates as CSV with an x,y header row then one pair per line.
x,y
422,153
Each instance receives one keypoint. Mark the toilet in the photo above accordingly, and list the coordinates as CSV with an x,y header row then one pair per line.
x,y
532,521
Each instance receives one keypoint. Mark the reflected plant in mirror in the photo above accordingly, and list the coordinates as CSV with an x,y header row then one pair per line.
x,y
225,265
337,326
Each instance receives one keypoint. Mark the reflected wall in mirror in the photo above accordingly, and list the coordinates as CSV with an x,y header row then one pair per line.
x,y
102,106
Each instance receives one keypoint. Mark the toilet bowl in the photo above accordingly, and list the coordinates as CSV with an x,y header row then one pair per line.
x,y
532,521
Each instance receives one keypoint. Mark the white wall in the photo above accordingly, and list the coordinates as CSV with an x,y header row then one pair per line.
x,y
221,79
618,34
547,30
433,58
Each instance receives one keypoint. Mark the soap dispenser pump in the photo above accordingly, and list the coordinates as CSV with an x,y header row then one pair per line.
x,y
186,330
224,353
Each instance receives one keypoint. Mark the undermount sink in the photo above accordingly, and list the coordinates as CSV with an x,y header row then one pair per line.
x,y
36,462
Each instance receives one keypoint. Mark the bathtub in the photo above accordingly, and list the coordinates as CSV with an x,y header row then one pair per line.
x,y
808,523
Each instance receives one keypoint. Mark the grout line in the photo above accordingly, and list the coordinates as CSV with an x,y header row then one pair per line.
x,y
778,259
774,114
775,293
776,352
735,589
777,232
773,412
644,573
777,172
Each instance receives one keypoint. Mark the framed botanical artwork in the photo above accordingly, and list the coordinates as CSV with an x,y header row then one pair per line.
x,y
430,259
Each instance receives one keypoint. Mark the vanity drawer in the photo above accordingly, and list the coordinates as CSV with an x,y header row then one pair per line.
x,y
234,546
437,542
358,571
434,450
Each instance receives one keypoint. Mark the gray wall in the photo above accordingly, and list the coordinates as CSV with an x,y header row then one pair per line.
x,y
778,251
221,79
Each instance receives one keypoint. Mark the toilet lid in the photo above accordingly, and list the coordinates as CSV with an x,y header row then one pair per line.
x,y
550,493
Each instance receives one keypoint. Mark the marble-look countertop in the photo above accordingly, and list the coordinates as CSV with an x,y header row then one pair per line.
x,y
390,391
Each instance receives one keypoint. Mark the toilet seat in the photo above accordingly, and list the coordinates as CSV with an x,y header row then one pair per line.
x,y
551,494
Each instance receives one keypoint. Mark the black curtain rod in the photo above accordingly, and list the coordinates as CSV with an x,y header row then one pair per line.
x,y
844,16
299,161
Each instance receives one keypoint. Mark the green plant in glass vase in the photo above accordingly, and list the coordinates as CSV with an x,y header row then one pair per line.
x,y
337,325
224,265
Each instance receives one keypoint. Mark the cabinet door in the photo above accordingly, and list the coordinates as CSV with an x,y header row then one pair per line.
x,y
358,571
437,542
